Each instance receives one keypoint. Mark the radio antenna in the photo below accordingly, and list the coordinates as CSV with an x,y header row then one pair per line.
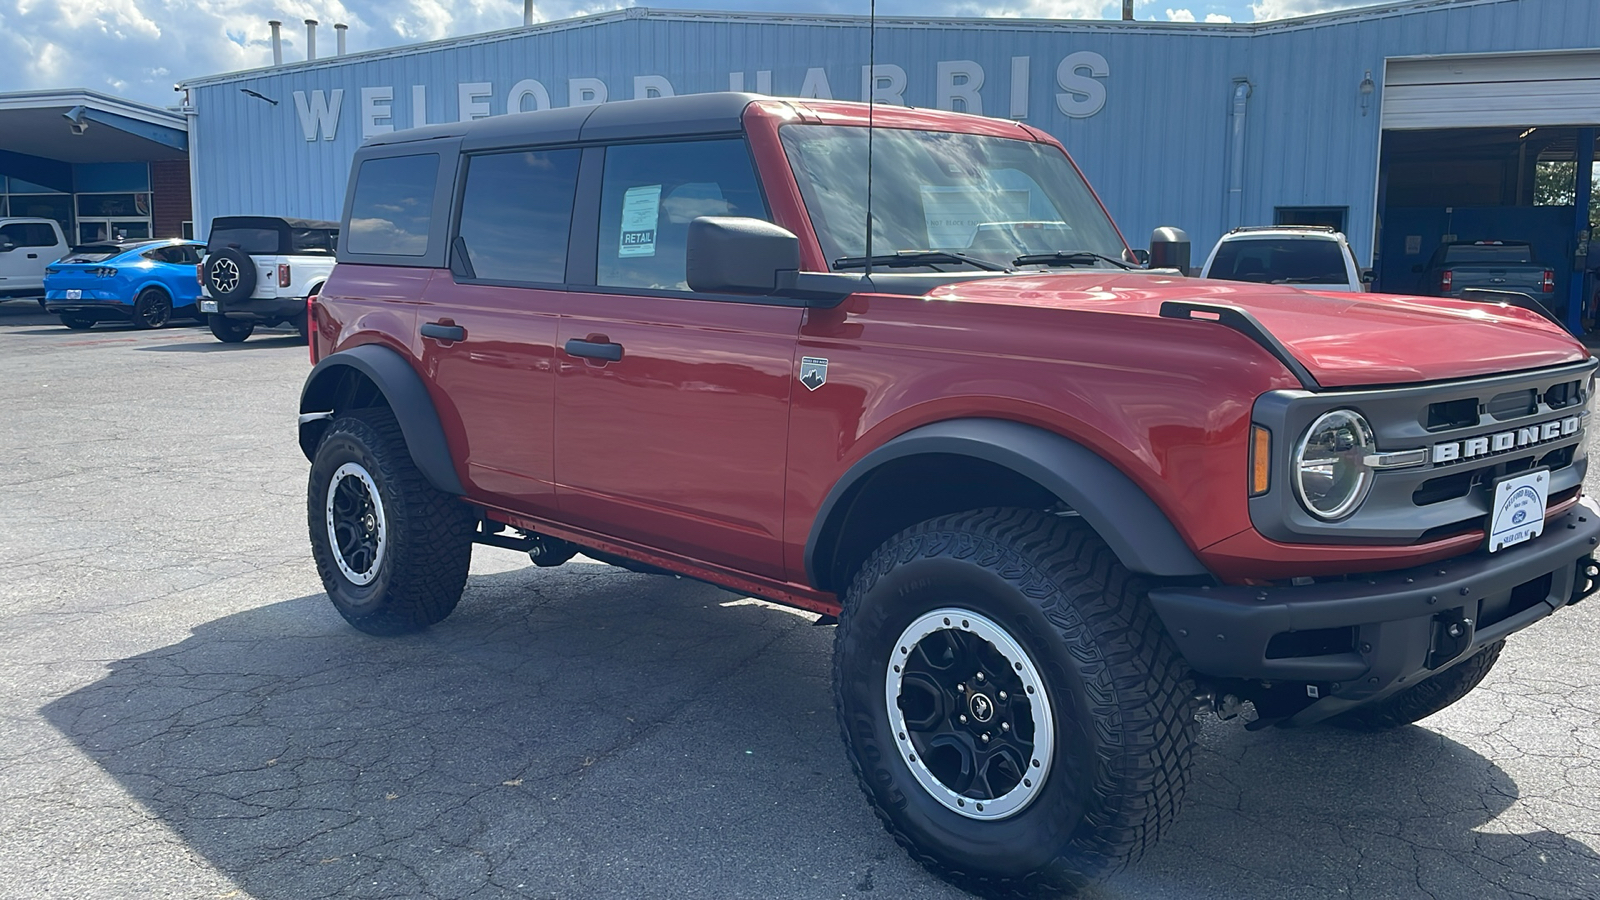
x,y
872,92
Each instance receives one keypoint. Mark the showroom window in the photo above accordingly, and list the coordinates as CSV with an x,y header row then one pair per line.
x,y
650,194
392,211
516,212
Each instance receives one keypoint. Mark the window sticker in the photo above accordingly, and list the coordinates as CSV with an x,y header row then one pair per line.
x,y
640,206
953,214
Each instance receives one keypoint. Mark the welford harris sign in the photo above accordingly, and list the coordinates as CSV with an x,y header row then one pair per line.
x,y
959,84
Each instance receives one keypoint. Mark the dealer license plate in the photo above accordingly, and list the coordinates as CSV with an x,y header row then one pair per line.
x,y
1518,511
74,295
208,306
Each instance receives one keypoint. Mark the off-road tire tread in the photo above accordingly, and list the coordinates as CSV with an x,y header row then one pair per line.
x,y
1424,698
431,533
227,332
1101,612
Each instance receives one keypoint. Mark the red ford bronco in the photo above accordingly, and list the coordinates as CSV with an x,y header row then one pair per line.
x,y
1058,501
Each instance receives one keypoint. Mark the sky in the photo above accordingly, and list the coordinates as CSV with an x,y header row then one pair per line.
x,y
139,48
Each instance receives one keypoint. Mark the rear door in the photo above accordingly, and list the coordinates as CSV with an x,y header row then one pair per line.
x,y
672,408
34,246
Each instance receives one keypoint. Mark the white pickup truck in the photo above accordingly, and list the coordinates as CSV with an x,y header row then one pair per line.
x,y
1313,257
27,246
259,270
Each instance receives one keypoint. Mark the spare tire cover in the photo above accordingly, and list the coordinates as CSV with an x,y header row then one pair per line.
x,y
230,274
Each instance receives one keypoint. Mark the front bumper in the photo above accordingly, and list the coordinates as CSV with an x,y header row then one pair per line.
x,y
1357,639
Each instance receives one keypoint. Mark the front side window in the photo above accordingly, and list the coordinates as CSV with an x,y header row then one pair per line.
x,y
995,199
1280,261
516,213
392,212
652,192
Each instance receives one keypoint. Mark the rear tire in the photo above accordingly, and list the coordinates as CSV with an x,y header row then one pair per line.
x,y
152,309
77,322
1424,698
228,331
1097,709
392,551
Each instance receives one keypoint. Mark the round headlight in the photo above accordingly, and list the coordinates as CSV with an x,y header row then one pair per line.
x,y
1331,472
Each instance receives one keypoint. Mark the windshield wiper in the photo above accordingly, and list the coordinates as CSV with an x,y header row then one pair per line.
x,y
1068,258
907,258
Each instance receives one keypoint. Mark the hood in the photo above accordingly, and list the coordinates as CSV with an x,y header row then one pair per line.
x,y
1343,339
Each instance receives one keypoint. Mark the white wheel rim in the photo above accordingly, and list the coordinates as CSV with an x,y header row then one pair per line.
x,y
1032,690
352,482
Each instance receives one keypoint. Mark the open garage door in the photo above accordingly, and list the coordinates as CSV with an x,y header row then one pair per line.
x,y
1523,90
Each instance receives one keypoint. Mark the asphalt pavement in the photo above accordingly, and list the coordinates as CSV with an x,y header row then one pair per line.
x,y
183,714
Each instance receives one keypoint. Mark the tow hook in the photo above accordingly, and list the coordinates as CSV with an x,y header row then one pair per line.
x,y
1452,635
1587,580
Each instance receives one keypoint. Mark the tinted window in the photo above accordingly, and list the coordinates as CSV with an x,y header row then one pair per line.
x,y
1488,253
651,193
393,207
1285,261
89,253
262,241
312,240
28,234
516,212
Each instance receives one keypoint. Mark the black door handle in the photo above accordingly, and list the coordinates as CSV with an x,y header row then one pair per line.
x,y
443,332
33,256
593,350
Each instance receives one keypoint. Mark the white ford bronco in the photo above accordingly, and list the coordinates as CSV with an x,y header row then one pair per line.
x,y
259,270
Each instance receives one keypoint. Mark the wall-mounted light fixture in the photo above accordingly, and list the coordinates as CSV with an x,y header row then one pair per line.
x,y
1367,87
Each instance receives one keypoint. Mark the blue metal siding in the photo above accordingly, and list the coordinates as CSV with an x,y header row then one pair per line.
x,y
1158,151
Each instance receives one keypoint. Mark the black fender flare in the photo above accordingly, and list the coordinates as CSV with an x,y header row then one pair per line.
x,y
1114,506
407,396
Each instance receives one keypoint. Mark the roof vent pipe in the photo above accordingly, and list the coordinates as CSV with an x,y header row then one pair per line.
x,y
311,39
1127,10
277,41
527,12
339,29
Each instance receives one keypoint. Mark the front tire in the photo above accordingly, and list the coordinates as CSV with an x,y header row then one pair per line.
x,y
229,331
152,309
392,550
1086,705
1424,698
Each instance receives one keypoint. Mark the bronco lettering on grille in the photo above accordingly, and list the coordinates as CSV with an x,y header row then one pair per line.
x,y
1526,436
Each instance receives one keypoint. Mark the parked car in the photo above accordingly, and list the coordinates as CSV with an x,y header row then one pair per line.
x,y
148,283
27,246
259,270
1057,503
1493,265
1312,257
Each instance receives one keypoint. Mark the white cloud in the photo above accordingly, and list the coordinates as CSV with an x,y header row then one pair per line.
x,y
1036,9
1179,15
1282,9
1218,18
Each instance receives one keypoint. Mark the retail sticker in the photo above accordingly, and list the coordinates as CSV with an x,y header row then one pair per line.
x,y
640,206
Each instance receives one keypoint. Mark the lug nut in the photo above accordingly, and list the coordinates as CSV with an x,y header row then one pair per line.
x,y
1002,695
986,738
980,676
1005,726
963,720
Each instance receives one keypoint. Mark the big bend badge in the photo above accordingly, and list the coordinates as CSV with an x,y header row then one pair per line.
x,y
813,372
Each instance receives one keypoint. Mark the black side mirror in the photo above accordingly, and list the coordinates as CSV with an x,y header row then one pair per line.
x,y
7,246
728,255
1169,249
1367,275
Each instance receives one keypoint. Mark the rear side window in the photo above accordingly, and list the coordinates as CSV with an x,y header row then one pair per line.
x,y
312,240
652,192
1287,261
91,253
28,234
516,213
392,211
258,241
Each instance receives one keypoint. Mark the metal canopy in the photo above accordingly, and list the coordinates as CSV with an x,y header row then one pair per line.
x,y
37,124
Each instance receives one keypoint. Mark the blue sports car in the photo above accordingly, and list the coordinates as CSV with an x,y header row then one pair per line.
x,y
144,282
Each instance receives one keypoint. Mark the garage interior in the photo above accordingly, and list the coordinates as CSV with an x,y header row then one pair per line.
x,y
1491,148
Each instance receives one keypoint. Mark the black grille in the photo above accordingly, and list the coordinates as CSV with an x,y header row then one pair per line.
x,y
1513,404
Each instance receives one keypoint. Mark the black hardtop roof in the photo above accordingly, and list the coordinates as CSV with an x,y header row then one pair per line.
x,y
691,114
275,222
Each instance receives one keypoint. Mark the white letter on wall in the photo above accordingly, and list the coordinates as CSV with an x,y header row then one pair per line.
x,y
883,84
959,81
419,105
1019,87
651,86
585,92
528,87
376,116
320,114
816,85
763,81
1083,95
472,99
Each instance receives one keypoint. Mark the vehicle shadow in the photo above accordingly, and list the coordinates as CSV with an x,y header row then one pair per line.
x,y
581,733
209,344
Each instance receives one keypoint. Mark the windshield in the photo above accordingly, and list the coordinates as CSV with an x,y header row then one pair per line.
x,y
1280,261
993,199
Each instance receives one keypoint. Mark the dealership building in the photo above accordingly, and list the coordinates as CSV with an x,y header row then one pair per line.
x,y
1403,125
